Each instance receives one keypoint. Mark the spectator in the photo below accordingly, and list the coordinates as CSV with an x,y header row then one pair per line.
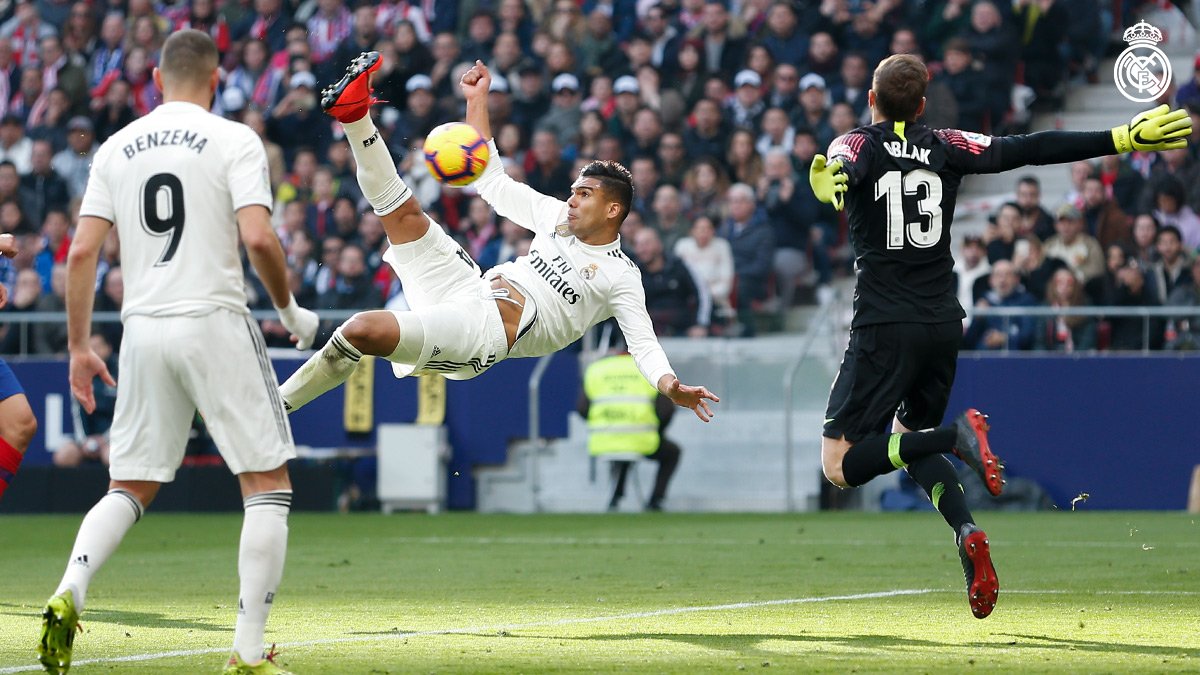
x,y
645,182
1104,219
1183,332
513,17
1034,267
1035,220
784,92
598,49
661,33
10,183
18,339
1078,249
1002,332
1125,284
1171,270
1065,333
999,236
746,108
966,84
55,244
565,114
504,248
753,246
89,440
297,118
778,194
478,229
75,161
364,35
352,288
944,20
813,115
672,159
505,59
678,304
783,36
1145,232
480,37
666,216
51,124
268,23
1121,182
708,135
853,84
15,147
724,44
42,189
1045,25
29,104
711,261
973,270
24,30
1171,209
109,53
744,162
111,111
687,72
51,338
204,18
13,220
823,57
546,171
298,184
627,93
704,187
1080,172
992,45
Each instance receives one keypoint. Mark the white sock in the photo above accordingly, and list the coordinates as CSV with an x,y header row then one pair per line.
x,y
323,371
260,568
377,176
101,532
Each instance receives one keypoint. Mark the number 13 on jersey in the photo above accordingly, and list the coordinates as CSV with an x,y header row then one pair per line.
x,y
894,187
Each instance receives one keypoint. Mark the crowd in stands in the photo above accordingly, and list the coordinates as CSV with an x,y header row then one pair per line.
x,y
716,107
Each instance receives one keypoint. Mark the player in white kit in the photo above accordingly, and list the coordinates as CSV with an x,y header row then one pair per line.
x,y
462,322
180,185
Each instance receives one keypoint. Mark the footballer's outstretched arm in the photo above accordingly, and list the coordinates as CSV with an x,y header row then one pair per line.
x,y
518,202
1152,130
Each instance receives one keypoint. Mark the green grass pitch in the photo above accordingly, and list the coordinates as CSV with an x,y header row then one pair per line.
x,y
657,593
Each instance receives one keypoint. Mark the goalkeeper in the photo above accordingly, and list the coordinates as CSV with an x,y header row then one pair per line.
x,y
898,181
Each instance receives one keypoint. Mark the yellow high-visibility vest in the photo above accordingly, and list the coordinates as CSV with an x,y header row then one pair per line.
x,y
621,417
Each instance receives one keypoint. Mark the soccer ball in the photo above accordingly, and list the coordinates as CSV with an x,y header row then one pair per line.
x,y
456,153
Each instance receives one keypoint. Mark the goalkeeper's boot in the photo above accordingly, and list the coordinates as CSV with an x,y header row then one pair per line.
x,y
971,446
349,99
982,585
60,621
267,666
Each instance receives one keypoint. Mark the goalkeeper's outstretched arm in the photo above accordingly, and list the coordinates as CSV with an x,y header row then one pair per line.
x,y
1153,130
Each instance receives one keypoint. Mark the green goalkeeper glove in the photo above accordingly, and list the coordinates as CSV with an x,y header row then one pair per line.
x,y
828,182
1153,130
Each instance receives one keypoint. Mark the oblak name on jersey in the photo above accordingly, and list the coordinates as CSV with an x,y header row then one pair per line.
x,y
902,150
165,138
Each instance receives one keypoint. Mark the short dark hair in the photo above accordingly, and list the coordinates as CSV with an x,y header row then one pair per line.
x,y
616,181
1030,179
899,85
189,56
1169,229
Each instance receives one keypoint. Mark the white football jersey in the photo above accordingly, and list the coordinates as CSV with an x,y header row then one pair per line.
x,y
574,285
172,181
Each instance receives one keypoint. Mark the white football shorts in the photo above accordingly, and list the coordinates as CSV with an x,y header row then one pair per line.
x,y
454,305
172,366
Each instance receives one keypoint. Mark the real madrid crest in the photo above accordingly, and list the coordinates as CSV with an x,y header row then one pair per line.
x,y
1142,72
561,230
589,272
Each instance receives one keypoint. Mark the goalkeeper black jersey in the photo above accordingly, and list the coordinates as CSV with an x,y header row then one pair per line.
x,y
903,183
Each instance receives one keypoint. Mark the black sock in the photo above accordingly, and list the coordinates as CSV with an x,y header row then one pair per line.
x,y
885,453
937,476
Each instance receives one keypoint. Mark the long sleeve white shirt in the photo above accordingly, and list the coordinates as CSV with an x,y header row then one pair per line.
x,y
573,285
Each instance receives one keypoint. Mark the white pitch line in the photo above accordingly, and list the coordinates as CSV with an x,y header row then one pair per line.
x,y
650,541
492,629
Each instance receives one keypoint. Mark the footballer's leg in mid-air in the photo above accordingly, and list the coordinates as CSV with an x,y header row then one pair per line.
x,y
376,332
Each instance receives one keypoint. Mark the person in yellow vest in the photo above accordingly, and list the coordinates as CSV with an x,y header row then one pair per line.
x,y
627,415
